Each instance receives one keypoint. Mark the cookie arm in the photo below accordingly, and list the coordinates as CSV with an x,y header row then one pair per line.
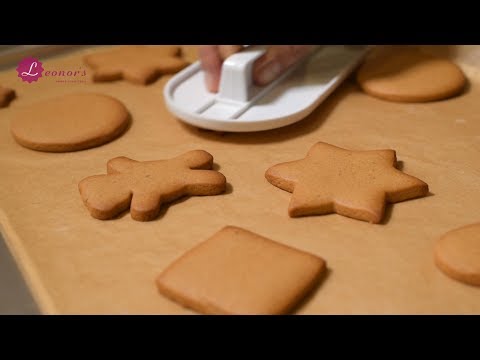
x,y
196,159
205,182
120,164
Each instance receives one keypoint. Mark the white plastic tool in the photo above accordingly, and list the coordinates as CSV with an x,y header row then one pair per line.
x,y
241,106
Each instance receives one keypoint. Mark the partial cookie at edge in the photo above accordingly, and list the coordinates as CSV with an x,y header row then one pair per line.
x,y
409,75
457,254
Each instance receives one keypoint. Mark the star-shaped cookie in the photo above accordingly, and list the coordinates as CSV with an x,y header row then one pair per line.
x,y
145,186
6,96
355,184
136,64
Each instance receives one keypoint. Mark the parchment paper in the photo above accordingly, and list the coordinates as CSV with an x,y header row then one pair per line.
x,y
75,264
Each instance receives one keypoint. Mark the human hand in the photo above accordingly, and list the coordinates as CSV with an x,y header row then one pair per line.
x,y
267,68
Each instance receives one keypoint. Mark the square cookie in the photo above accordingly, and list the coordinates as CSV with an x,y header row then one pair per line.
x,y
239,272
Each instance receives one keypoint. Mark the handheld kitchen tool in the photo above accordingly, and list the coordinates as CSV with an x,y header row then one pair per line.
x,y
241,106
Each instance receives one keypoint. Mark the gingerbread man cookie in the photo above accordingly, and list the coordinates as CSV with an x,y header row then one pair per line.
x,y
136,64
145,186
355,184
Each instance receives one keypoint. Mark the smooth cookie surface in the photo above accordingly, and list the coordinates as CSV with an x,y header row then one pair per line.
x,y
409,75
355,184
239,272
70,122
457,254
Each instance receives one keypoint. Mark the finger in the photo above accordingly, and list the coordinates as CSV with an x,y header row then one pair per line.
x,y
211,62
277,60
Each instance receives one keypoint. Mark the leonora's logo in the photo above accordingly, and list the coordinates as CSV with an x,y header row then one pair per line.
x,y
31,69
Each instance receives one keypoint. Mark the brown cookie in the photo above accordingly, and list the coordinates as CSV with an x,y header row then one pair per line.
x,y
145,186
355,184
6,96
409,75
136,64
190,53
457,254
239,272
70,122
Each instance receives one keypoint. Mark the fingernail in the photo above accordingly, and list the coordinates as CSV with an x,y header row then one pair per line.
x,y
269,73
210,82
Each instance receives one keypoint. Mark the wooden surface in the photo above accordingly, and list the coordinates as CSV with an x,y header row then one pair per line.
x,y
75,264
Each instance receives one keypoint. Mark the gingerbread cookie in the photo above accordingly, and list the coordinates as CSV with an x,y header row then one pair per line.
x,y
6,96
457,254
239,272
145,186
136,64
409,75
70,122
190,53
355,184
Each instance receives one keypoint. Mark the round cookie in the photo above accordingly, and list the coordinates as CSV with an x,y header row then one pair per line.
x,y
70,123
409,75
457,254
